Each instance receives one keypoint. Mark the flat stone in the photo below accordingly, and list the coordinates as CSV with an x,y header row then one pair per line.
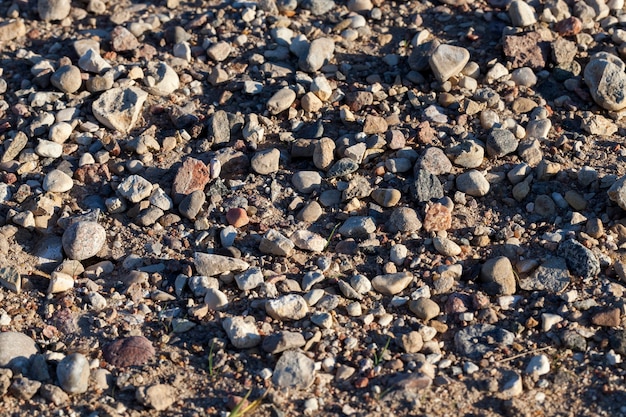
x,y
476,340
404,220
119,108
91,61
306,181
527,50
191,204
294,370
551,276
287,307
282,341
308,241
57,181
128,351
357,226
82,240
135,188
498,276
607,318
123,40
391,284
342,167
446,246
210,264
447,61
219,51
16,350
438,218
24,388
249,279
243,334
374,124
193,175
158,397
274,243
426,187
424,308
73,373
54,394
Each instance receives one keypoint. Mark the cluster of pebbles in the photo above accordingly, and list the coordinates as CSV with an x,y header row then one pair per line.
x,y
348,208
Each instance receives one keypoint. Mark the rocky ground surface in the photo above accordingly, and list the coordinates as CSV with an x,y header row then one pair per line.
x,y
356,208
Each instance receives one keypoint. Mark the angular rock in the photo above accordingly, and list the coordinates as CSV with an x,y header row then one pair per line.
x,y
357,227
320,51
242,333
476,340
161,79
193,175
580,260
287,307
16,350
210,264
119,108
159,396
274,243
551,276
294,370
605,77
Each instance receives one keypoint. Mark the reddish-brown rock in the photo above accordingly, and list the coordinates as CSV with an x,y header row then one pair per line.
x,y
128,351
237,217
569,27
607,318
527,50
193,175
438,218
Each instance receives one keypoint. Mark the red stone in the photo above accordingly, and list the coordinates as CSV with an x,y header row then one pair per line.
x,y
527,50
569,27
129,351
237,217
193,175
123,40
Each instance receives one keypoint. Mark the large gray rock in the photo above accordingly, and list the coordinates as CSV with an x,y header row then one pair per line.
x,y
82,240
73,373
551,276
16,349
294,370
580,260
476,340
617,192
320,52
606,80
447,61
210,264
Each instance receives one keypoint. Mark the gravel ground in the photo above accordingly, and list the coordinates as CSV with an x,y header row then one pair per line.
x,y
357,208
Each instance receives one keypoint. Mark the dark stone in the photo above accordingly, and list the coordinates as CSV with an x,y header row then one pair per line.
x,y
426,187
580,260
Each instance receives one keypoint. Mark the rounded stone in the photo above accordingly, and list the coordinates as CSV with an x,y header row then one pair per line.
x,y
498,276
386,197
16,349
82,240
424,308
473,183
237,217
57,181
67,79
73,373
404,219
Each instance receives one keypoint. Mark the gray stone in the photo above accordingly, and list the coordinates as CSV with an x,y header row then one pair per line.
x,y
467,154
343,167
357,227
447,61
135,188
580,260
242,333
320,51
501,142
82,240
53,9
324,153
498,276
426,187
250,279
551,276
282,341
57,181
10,279
24,388
218,128
91,61
67,79
538,365
294,370
210,264
522,14
266,162
191,205
281,100
308,241
605,77
446,246
274,243
476,340
219,51
310,212
391,284
404,220
215,299
287,307
119,108
617,192
159,396
306,181
435,161
73,373
161,79
17,350
54,394
473,183
13,148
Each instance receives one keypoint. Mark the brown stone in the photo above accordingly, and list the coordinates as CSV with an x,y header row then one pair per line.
x,y
569,27
607,318
237,217
358,99
123,40
438,218
129,351
527,50
374,124
193,175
